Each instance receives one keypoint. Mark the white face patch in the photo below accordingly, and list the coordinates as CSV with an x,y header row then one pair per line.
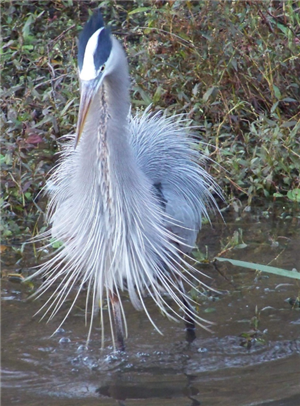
x,y
88,71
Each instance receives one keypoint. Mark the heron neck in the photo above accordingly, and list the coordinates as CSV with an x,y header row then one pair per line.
x,y
116,102
117,97
108,125
118,161
116,85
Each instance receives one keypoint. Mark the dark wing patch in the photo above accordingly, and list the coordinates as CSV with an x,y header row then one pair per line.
x,y
159,193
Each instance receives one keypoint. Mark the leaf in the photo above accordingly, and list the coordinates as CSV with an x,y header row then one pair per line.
x,y
283,28
289,124
241,246
294,195
262,268
157,95
139,10
27,47
26,27
196,89
64,110
289,100
144,95
56,243
210,92
274,107
277,92
210,310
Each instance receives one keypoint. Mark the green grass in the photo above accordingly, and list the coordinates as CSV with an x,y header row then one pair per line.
x,y
231,66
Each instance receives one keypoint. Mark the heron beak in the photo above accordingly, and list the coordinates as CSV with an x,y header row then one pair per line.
x,y
87,93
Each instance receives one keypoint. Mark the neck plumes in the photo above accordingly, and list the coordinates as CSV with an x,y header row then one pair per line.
x,y
105,140
116,104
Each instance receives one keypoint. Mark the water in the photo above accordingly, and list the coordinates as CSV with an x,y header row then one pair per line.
x,y
235,365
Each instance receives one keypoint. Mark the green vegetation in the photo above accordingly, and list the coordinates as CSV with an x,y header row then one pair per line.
x,y
231,66
262,268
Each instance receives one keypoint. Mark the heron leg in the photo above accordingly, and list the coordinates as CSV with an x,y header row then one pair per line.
x,y
189,321
188,315
118,325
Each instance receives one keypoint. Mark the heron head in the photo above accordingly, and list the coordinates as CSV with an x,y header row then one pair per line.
x,y
95,61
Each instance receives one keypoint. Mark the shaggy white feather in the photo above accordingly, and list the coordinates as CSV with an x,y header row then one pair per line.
x,y
104,207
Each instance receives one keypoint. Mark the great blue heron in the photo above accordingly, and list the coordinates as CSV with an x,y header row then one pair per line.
x,y
127,201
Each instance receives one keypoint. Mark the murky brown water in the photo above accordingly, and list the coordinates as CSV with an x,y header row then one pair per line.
x,y
215,369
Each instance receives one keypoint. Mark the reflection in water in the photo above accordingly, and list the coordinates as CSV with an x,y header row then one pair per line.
x,y
211,369
124,386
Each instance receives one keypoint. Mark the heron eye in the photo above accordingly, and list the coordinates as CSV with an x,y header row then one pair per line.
x,y
102,68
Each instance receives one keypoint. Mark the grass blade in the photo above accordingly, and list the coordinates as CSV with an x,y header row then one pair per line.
x,y
262,268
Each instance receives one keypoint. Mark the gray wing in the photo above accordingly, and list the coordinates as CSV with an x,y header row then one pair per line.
x,y
187,221
163,147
